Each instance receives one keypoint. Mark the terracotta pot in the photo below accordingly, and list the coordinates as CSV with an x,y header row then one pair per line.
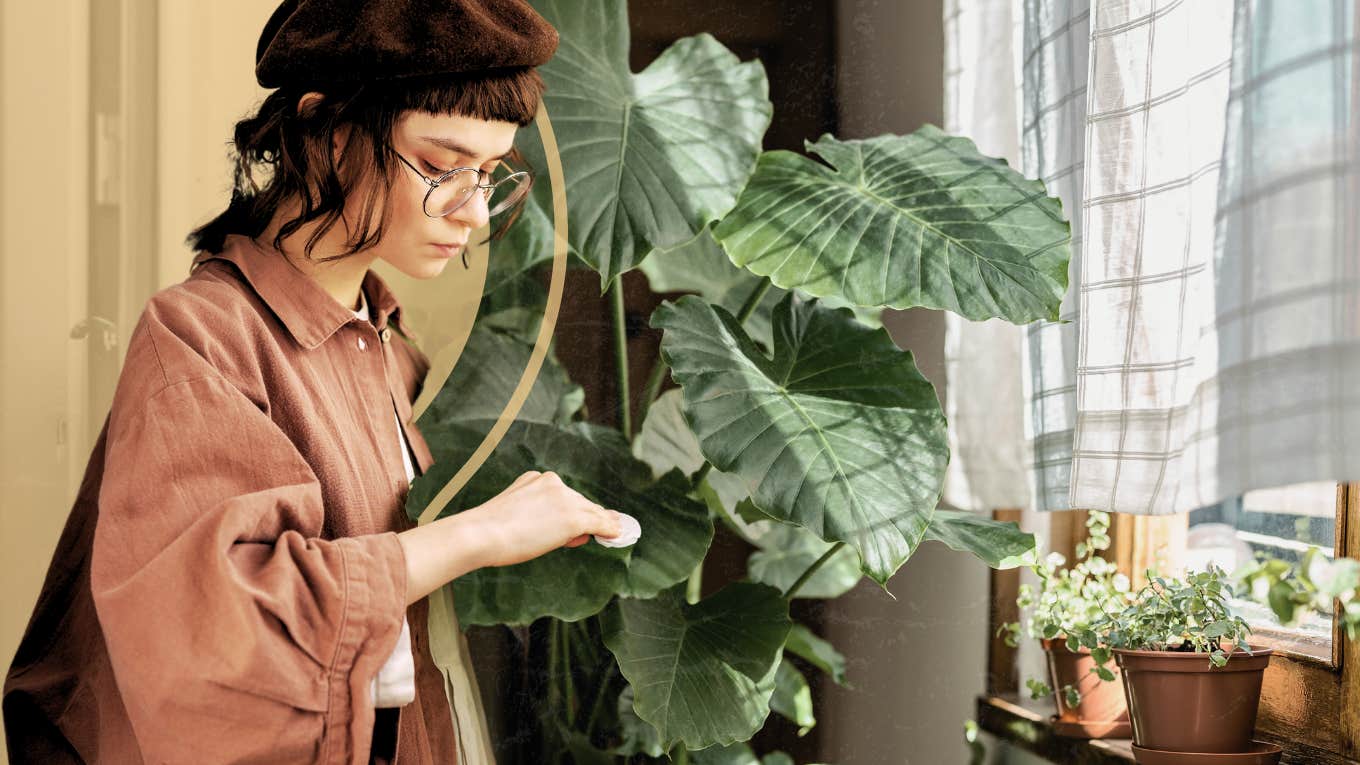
x,y
1178,702
1101,701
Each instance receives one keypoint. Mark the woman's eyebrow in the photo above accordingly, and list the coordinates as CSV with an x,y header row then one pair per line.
x,y
458,148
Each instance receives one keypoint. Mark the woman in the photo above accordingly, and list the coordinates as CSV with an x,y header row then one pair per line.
x,y
237,580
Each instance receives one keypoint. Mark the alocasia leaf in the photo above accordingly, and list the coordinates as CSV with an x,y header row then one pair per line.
x,y
838,433
904,220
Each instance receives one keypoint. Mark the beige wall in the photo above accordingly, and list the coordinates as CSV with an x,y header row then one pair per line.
x,y
917,661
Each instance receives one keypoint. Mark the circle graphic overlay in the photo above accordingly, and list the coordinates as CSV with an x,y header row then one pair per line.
x,y
545,330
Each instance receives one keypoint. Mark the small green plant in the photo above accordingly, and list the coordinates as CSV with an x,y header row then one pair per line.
x,y
1293,590
1171,614
1070,602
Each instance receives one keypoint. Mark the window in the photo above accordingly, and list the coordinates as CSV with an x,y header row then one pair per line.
x,y
1279,523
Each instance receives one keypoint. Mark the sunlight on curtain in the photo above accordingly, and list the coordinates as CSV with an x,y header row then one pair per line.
x,y
1219,290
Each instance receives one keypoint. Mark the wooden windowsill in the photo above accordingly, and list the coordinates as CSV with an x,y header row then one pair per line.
x,y
1026,724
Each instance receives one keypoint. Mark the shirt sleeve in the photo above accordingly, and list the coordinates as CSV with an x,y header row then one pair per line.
x,y
232,628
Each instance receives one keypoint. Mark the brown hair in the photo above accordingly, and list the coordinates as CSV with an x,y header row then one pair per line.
x,y
291,149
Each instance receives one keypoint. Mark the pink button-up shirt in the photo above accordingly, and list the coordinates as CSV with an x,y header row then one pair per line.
x,y
229,579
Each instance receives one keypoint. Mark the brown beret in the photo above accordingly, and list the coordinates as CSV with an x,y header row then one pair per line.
x,y
310,42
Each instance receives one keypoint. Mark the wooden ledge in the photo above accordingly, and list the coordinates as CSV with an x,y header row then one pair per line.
x,y
1026,724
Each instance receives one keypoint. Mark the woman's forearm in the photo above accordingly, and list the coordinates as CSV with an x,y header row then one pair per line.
x,y
441,551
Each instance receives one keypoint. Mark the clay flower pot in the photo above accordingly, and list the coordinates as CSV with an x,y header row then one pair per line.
x,y
1179,702
1102,712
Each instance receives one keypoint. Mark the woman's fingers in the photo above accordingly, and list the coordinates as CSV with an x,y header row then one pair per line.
x,y
524,478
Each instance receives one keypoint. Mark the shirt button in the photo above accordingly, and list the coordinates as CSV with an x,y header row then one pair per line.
x,y
385,333
362,344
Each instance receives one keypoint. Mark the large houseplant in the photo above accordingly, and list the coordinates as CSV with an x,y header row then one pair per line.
x,y
797,425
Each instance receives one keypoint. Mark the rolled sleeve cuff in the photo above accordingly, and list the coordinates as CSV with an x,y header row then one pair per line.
x,y
375,608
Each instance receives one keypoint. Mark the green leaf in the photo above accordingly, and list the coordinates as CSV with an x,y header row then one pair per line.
x,y
1000,544
1073,696
733,754
567,583
697,670
639,736
676,534
787,551
838,432
649,158
916,220
702,267
1281,599
792,697
1104,674
776,758
821,654
665,441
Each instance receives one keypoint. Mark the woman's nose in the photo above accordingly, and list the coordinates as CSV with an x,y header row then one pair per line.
x,y
474,212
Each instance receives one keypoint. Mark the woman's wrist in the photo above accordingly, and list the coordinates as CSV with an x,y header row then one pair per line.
x,y
441,551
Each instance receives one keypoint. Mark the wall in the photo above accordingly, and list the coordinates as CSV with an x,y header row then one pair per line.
x,y
917,662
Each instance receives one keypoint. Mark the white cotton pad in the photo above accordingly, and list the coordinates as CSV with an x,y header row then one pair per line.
x,y
632,530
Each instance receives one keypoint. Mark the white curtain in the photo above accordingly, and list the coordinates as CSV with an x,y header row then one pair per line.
x,y
1206,151
1011,392
1220,285
989,462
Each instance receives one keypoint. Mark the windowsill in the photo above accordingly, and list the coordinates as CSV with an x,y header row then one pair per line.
x,y
1026,724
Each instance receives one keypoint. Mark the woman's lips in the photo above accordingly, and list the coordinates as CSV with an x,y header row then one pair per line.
x,y
448,250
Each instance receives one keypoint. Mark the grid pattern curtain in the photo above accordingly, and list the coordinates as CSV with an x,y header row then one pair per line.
x,y
1054,71
1219,286
1206,151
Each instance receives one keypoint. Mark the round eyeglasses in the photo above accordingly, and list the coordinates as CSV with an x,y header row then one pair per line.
x,y
454,188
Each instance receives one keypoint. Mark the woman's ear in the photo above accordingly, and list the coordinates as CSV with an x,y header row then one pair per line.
x,y
307,103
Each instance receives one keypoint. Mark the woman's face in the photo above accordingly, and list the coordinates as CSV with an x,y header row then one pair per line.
x,y
413,242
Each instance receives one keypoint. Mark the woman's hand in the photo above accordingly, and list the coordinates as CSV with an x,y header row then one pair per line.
x,y
537,514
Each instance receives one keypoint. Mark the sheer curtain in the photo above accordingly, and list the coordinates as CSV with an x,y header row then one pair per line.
x,y
1016,83
1219,291
1206,153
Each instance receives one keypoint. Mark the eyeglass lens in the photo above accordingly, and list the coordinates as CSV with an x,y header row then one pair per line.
x,y
455,191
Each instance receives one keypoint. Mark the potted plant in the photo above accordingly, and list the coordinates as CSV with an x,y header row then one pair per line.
x,y
1191,679
794,420
1067,605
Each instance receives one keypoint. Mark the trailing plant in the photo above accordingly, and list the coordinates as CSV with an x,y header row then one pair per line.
x,y
797,425
1312,585
1070,601
1190,614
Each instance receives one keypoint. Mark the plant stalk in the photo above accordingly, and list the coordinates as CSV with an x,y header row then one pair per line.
x,y
621,357
796,586
748,306
554,690
600,696
652,390
694,587
569,692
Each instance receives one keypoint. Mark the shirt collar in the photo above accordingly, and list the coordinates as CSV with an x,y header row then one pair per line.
x,y
310,314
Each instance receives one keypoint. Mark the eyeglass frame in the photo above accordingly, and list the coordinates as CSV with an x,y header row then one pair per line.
x,y
489,188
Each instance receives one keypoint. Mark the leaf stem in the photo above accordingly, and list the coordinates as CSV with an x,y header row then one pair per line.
x,y
652,389
569,691
553,689
748,307
789,593
694,587
600,696
621,357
